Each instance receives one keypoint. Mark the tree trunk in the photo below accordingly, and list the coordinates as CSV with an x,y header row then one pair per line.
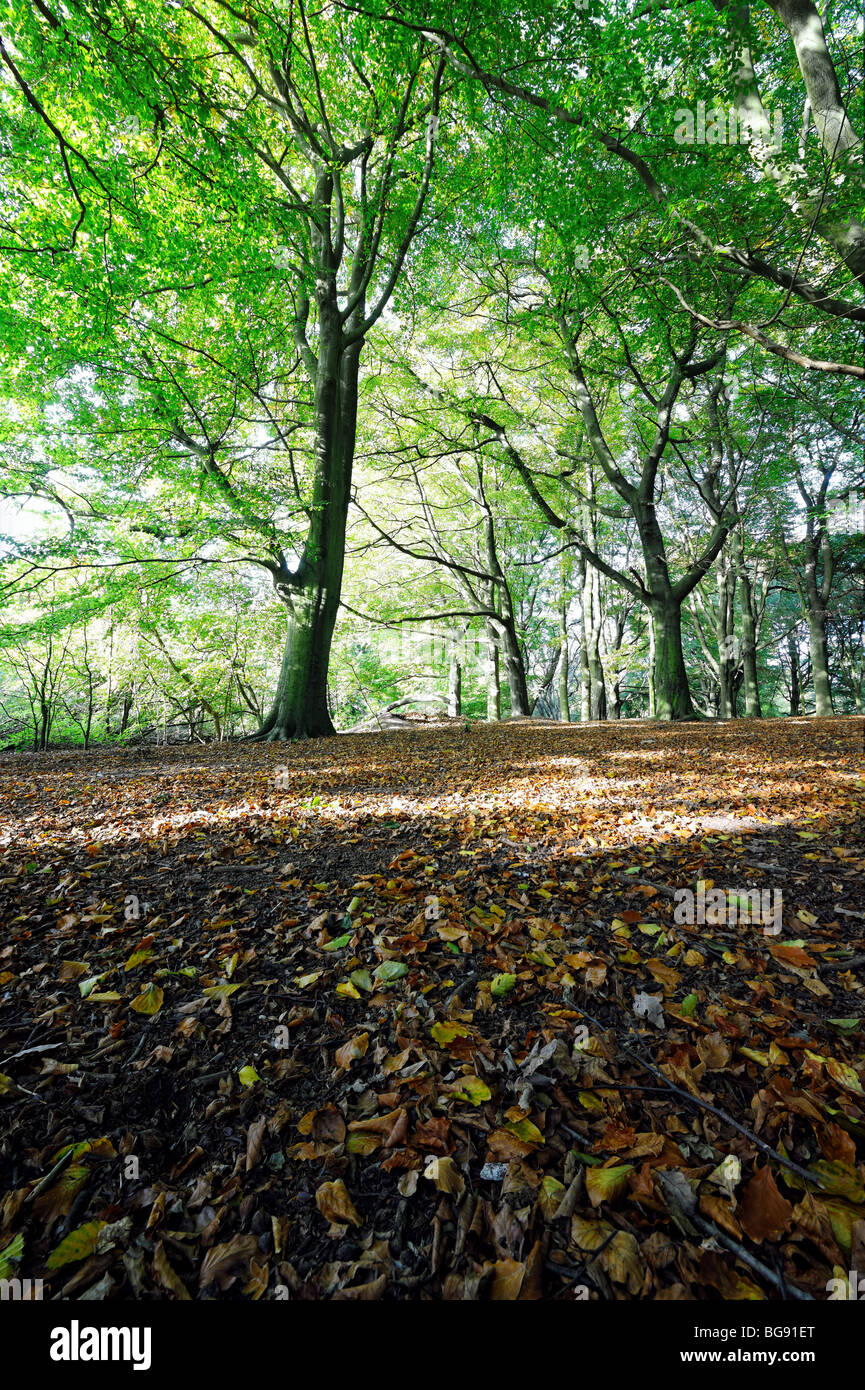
x,y
312,594
591,614
128,696
585,670
672,694
494,692
670,678
563,667
455,686
299,708
750,679
819,661
795,686
817,594
726,640
504,626
515,670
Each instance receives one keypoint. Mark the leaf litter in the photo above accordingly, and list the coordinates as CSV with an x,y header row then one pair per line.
x,y
411,1015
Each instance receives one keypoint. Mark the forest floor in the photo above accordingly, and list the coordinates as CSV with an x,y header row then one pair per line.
x,y
411,1015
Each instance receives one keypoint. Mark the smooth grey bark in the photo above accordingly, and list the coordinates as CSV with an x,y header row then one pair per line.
x,y
585,669
614,647
726,581
814,584
592,616
493,683
819,647
563,670
504,625
747,611
839,141
562,679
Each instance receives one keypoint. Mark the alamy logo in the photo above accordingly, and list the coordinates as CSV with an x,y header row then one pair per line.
x,y
727,906
20,1290
718,126
76,1343
851,1287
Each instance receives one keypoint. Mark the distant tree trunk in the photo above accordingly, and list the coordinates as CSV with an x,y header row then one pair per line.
x,y
724,632
795,685
585,669
563,671
455,684
494,692
819,662
109,685
750,679
128,697
505,624
615,711
817,594
593,621
592,644
814,588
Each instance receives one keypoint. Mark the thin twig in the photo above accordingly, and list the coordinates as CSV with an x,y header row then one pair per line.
x,y
706,1105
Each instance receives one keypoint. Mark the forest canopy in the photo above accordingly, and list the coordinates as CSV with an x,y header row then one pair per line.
x,y
502,356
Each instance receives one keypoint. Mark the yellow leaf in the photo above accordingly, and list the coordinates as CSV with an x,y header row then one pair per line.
x,y
138,958
472,1089
526,1131
606,1184
334,1203
446,1176
77,1245
149,1001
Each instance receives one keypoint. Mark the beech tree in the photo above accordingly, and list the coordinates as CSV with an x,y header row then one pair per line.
x,y
564,305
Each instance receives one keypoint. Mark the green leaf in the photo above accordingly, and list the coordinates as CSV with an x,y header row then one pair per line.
x,y
221,991
11,1255
137,958
77,1245
337,943
390,970
525,1130
445,1033
472,1089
